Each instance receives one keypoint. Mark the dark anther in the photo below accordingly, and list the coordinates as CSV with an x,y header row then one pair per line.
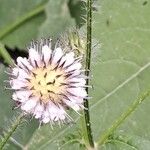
x,y
72,86
41,94
62,64
32,88
63,84
25,67
54,81
69,65
55,68
36,63
68,75
48,83
27,79
65,96
51,91
71,94
73,82
58,62
58,76
45,75
43,58
50,60
34,74
71,71
44,65
31,95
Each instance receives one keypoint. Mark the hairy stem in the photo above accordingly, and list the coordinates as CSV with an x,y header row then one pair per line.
x,y
12,129
87,67
9,28
5,55
120,120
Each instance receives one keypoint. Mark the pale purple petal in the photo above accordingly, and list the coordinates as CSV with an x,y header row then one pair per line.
x,y
69,59
46,51
34,57
75,66
78,92
24,63
29,105
57,55
23,95
17,84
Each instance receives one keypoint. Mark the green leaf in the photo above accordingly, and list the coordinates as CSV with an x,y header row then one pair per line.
x,y
46,137
78,11
58,19
50,19
20,35
122,71
129,142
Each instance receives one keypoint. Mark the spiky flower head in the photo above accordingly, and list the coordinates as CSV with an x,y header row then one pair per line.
x,y
48,82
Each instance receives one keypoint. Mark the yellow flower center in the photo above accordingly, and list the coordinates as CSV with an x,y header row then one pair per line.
x,y
48,84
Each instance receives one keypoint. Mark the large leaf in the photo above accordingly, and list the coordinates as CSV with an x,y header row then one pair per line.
x,y
122,72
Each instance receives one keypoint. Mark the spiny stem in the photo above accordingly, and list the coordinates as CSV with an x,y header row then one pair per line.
x,y
87,67
5,55
9,28
119,121
12,129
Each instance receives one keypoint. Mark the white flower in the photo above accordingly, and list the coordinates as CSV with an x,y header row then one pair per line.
x,y
48,82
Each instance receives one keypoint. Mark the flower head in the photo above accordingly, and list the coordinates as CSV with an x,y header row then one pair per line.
x,y
48,82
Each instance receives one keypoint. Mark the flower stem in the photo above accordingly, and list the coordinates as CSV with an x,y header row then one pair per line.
x,y
87,67
5,55
12,129
9,28
119,121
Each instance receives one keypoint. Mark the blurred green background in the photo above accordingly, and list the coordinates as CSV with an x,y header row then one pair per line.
x,y
120,68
